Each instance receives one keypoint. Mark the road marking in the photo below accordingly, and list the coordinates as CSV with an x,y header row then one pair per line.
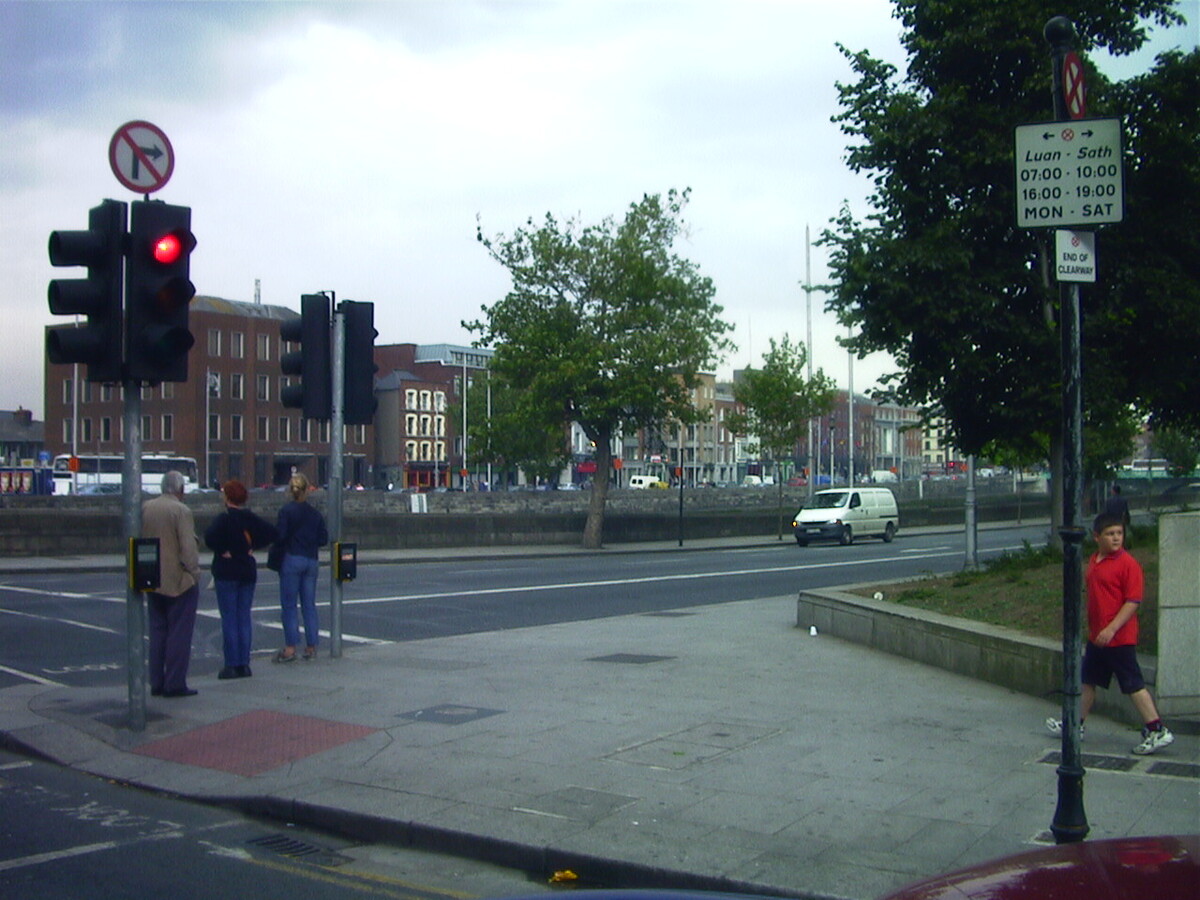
x,y
24,764
38,858
650,579
31,677
354,638
90,627
68,595
926,550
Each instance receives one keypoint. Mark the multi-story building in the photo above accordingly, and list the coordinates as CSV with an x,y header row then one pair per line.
x,y
939,457
227,415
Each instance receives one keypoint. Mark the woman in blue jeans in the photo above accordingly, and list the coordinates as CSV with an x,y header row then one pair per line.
x,y
233,537
302,534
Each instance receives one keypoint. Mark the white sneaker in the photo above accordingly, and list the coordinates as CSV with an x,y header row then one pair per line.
x,y
1054,726
1154,740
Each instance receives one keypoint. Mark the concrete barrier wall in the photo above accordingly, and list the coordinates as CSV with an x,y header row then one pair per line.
x,y
64,526
1179,614
989,653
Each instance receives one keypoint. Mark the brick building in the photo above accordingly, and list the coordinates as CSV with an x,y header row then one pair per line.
x,y
227,415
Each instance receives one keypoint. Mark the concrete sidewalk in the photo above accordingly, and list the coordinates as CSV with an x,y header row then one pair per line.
x,y
713,747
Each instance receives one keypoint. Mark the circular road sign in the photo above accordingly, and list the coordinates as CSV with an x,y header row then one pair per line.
x,y
141,157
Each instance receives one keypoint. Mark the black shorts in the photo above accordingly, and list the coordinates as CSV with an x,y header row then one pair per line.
x,y
1100,664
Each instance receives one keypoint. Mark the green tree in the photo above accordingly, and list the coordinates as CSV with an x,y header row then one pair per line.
x,y
938,274
779,402
503,431
604,326
1181,450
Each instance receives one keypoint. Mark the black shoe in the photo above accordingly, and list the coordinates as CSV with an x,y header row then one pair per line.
x,y
244,672
229,672
185,692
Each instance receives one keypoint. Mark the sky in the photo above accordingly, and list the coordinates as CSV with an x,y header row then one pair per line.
x,y
354,147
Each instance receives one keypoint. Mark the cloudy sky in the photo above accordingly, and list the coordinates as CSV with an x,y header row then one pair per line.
x,y
351,146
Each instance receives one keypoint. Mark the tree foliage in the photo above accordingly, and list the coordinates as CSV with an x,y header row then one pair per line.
x,y
504,432
940,276
604,325
1181,450
779,401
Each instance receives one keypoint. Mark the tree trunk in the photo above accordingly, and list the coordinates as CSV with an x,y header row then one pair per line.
x,y
593,529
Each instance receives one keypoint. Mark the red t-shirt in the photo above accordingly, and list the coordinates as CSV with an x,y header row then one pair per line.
x,y
1113,581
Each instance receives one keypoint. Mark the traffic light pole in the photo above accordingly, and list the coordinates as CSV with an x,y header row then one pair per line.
x,y
336,476
135,601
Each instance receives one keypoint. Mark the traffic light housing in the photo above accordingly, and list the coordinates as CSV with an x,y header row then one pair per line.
x,y
314,394
158,291
358,406
101,249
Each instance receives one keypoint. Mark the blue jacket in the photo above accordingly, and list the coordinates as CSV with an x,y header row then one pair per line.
x,y
301,529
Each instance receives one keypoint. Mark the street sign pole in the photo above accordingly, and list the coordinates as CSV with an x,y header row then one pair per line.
x,y
135,600
1070,823
336,466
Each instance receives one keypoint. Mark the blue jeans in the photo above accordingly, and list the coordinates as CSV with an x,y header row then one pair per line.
x,y
234,599
298,580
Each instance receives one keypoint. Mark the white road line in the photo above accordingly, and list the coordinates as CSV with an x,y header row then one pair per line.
x,y
649,579
90,627
31,677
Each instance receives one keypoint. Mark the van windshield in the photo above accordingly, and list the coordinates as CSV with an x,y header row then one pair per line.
x,y
830,500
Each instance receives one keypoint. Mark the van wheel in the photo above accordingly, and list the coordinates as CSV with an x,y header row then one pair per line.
x,y
847,535
889,533
801,541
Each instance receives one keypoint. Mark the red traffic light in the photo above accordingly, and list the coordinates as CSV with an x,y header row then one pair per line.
x,y
168,249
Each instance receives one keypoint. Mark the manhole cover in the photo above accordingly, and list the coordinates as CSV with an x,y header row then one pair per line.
x,y
450,714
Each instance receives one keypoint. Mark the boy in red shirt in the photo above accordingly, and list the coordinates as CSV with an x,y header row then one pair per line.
x,y
1114,593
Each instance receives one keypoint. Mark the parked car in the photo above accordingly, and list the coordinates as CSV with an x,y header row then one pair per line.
x,y
1134,868
842,514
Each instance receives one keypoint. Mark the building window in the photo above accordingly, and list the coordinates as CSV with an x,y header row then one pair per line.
x,y
147,431
235,427
439,426
67,392
304,432
264,387
214,427
439,401
285,429
410,449
425,426
264,347
237,386
214,384
105,429
425,450
439,449
237,345
410,399
361,433
106,393
147,392
168,427
214,342
425,399
85,430
67,425
410,423
264,428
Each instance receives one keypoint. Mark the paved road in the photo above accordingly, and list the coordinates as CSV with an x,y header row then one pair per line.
x,y
69,627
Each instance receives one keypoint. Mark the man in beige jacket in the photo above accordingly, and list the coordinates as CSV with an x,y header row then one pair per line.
x,y
172,608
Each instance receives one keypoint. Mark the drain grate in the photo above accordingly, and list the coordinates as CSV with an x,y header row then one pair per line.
x,y
636,659
449,714
282,845
1094,761
1178,770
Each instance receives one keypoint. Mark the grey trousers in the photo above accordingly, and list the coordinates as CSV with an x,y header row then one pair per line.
x,y
171,621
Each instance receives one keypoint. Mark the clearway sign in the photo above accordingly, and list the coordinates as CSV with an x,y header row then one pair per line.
x,y
1075,256
1069,174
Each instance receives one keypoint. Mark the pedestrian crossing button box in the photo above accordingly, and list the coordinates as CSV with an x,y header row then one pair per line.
x,y
144,564
345,559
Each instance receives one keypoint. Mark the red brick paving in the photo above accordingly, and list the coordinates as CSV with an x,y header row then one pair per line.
x,y
254,742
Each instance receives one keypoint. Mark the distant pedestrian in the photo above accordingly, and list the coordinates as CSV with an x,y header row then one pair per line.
x,y
233,537
302,534
172,608
1114,595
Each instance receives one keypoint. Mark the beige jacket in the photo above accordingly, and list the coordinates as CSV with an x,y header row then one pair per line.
x,y
168,519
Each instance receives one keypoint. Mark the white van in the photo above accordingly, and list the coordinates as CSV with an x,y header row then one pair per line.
x,y
843,514
643,482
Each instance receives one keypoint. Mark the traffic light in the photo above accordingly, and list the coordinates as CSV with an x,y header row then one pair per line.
x,y
358,406
101,249
311,362
158,291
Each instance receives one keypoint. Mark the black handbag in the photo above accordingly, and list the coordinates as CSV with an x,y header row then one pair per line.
x,y
275,557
